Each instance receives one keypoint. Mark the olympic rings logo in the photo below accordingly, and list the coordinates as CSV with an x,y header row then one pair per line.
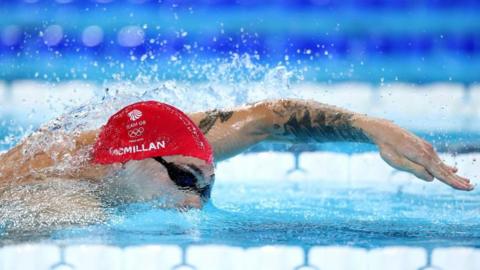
x,y
135,132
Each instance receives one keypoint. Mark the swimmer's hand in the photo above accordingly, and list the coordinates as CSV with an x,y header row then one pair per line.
x,y
407,152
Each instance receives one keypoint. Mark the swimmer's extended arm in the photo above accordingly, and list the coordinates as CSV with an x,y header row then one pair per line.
x,y
299,121
232,131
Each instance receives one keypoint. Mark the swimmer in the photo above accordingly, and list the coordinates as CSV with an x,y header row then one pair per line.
x,y
176,160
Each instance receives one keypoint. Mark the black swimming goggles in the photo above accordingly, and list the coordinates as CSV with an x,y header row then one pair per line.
x,y
184,178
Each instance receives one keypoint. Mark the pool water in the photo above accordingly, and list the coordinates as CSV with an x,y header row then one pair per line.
x,y
274,224
298,213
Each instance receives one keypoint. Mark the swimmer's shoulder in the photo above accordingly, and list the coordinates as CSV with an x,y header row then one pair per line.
x,y
33,158
86,138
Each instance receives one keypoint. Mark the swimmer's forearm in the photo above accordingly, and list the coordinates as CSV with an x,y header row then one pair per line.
x,y
231,131
309,121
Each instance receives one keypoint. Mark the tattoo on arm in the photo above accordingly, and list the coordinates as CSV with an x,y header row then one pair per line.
x,y
316,122
211,118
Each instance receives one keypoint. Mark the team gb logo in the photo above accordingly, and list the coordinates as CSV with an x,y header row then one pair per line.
x,y
135,115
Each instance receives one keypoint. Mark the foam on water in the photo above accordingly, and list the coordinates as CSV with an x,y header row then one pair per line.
x,y
57,202
230,83
84,105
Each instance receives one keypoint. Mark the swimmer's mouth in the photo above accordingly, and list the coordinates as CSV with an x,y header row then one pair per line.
x,y
186,177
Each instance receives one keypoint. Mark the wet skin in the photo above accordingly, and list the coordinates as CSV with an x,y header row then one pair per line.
x,y
301,121
230,132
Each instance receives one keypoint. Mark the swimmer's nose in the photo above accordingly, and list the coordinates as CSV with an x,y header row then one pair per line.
x,y
206,192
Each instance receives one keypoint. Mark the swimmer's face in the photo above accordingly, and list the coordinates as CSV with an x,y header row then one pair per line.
x,y
183,181
188,173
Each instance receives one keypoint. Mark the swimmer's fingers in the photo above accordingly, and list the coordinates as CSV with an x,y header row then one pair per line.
x,y
401,163
428,158
452,169
444,173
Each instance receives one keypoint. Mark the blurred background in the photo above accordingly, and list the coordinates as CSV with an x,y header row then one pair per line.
x,y
418,41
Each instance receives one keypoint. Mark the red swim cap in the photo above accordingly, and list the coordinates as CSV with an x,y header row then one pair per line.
x,y
150,129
